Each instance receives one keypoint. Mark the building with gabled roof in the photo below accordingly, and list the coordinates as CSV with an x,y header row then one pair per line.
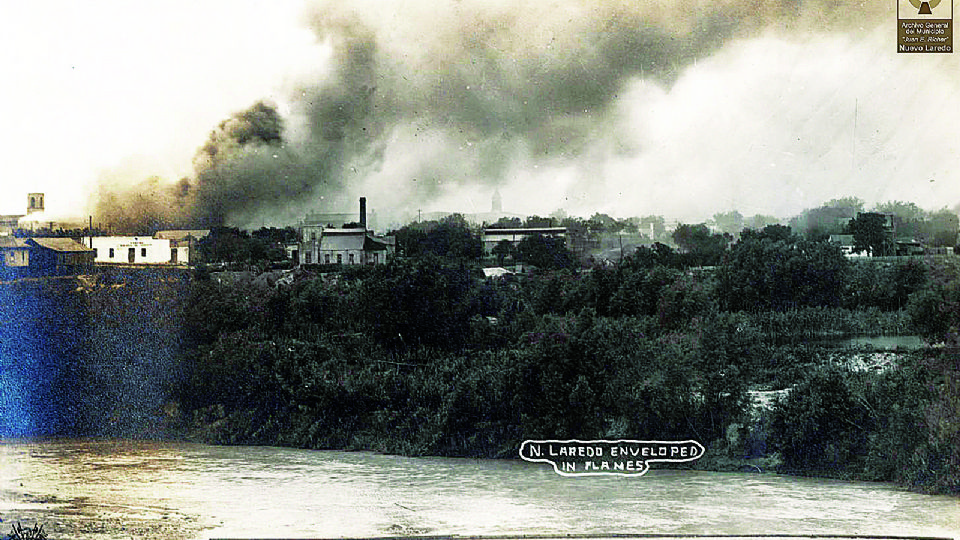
x,y
14,257
322,244
351,246
59,256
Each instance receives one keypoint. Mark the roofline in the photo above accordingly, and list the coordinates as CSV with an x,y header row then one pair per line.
x,y
345,232
78,248
534,230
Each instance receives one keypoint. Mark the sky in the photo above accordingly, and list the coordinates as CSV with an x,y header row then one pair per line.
x,y
104,87
628,108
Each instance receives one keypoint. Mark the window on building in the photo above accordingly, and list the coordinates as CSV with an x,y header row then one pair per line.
x,y
306,257
143,252
339,258
95,253
111,253
326,258
351,258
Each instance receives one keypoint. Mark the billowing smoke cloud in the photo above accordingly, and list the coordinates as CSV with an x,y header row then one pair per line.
x,y
142,207
563,102
240,165
434,97
237,170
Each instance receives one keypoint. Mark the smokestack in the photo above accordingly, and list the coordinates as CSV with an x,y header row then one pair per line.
x,y
363,213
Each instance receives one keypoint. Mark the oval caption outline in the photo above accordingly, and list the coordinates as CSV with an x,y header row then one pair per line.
x,y
646,462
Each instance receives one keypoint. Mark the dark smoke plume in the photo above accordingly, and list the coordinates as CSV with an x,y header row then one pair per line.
x,y
427,96
240,165
230,172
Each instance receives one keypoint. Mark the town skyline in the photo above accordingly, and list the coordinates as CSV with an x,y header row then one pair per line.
x,y
386,219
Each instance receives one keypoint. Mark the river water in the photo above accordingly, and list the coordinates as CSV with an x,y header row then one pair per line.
x,y
112,489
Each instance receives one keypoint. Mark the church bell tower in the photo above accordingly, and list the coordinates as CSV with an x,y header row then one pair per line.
x,y
34,202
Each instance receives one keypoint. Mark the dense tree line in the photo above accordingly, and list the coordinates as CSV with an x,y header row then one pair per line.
x,y
423,358
423,355
769,272
908,221
705,248
450,237
230,244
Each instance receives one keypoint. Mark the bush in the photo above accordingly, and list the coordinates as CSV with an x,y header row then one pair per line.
x,y
898,425
821,426
761,274
425,302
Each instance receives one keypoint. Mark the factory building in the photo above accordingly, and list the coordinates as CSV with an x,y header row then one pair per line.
x,y
321,243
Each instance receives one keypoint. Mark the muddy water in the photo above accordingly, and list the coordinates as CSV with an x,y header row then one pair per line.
x,y
112,489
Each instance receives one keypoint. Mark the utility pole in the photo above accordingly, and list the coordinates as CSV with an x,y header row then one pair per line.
x,y
620,236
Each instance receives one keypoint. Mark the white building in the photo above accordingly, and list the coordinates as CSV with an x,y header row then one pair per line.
x,y
137,250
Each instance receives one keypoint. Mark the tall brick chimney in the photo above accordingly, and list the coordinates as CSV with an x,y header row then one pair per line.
x,y
363,213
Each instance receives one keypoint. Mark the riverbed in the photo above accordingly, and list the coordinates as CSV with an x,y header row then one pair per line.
x,y
117,489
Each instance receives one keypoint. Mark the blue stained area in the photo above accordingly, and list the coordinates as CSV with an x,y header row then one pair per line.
x,y
39,345
15,415
16,368
88,357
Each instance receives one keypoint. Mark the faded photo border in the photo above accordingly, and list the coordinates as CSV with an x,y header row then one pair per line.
x,y
700,118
